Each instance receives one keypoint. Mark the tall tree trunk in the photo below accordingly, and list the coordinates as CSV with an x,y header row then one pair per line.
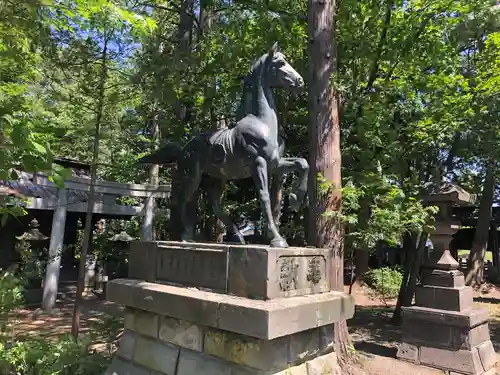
x,y
87,232
205,21
324,149
184,39
475,273
206,18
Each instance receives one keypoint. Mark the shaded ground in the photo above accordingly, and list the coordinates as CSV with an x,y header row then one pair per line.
x,y
374,337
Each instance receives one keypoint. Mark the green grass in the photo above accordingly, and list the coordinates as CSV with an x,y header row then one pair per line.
x,y
489,254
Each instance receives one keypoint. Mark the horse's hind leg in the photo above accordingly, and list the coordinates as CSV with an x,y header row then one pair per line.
x,y
191,178
215,188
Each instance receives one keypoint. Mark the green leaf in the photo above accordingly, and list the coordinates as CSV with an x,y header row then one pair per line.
x,y
38,147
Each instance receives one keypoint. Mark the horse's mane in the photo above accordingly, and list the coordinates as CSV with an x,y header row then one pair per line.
x,y
256,65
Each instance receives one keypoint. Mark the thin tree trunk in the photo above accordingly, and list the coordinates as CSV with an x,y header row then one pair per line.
x,y
409,250
87,233
475,273
361,260
324,149
495,249
415,269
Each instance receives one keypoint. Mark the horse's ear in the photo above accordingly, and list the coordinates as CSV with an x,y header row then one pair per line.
x,y
274,49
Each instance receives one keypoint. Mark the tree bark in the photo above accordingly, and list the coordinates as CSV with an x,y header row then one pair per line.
x,y
409,250
415,269
324,150
184,39
206,18
475,273
87,233
361,260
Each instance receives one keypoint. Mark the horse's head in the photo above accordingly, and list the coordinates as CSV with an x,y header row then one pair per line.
x,y
279,73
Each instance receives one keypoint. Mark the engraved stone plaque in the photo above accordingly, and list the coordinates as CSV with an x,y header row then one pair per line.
x,y
267,273
303,274
201,268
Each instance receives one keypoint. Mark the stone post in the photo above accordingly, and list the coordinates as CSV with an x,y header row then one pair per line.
x,y
443,329
55,252
217,309
147,220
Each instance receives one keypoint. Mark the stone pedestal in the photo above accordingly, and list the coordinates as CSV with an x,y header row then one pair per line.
x,y
443,330
227,310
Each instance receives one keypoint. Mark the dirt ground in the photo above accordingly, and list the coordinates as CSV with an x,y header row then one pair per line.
x,y
374,337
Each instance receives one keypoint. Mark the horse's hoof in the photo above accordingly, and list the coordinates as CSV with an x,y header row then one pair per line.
x,y
278,242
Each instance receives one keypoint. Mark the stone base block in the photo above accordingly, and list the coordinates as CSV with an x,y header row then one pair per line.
x,y
153,344
476,361
190,363
250,271
449,340
447,330
451,299
260,319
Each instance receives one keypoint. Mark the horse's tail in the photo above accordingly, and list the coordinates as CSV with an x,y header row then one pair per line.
x,y
168,154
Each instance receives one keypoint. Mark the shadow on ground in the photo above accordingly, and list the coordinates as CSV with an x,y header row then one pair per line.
x,y
372,331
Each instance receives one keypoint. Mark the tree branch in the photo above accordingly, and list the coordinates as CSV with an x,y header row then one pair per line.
x,y
173,8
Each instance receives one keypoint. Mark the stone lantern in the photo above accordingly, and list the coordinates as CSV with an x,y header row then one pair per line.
x,y
443,329
114,269
31,246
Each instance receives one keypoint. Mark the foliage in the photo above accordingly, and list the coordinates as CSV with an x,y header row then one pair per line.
x,y
385,281
10,294
40,356
391,213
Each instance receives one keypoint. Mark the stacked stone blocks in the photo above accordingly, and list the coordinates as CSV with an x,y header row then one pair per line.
x,y
443,329
178,330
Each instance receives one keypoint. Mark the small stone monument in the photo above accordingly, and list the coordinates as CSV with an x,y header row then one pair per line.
x,y
443,329
221,309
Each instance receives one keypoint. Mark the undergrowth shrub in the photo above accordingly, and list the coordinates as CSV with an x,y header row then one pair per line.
x,y
37,355
11,296
63,356
385,282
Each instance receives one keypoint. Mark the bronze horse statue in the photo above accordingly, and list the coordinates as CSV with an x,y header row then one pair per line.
x,y
249,148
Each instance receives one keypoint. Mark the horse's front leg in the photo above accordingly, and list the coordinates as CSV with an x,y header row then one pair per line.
x,y
301,166
262,184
